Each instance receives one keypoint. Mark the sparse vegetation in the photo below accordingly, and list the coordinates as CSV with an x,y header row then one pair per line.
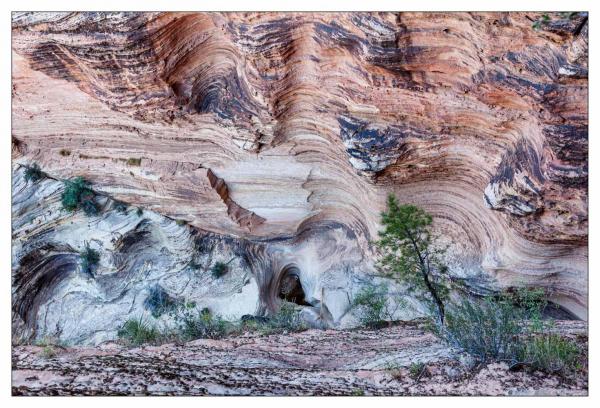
x,y
220,269
545,19
416,370
132,161
89,258
190,323
507,329
194,324
487,329
34,173
372,306
139,212
137,332
64,152
181,222
409,254
158,301
549,353
500,328
287,319
78,194
49,351
50,346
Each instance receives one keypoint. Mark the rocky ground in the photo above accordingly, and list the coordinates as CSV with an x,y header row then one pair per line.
x,y
314,362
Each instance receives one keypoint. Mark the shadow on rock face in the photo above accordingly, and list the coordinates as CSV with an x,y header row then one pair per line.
x,y
34,281
290,286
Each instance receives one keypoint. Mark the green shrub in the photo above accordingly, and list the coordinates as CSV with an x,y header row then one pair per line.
x,y
132,161
488,329
287,318
550,353
219,269
158,301
181,222
78,194
505,329
531,303
34,173
371,305
137,332
89,258
194,324
139,212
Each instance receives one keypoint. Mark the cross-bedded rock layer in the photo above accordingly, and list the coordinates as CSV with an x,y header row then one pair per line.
x,y
316,362
276,126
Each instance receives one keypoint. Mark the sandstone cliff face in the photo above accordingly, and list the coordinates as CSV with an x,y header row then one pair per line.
x,y
279,136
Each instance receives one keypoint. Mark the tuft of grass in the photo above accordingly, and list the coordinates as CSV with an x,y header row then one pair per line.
x,y
34,173
78,194
48,351
50,346
181,222
64,152
132,161
89,258
137,332
550,353
159,301
416,369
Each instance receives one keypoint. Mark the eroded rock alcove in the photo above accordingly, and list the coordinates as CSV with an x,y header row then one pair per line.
x,y
274,139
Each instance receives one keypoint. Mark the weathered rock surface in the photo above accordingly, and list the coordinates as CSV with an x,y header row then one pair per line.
x,y
278,137
315,362
53,297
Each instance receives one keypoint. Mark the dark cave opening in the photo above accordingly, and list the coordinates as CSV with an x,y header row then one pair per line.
x,y
290,286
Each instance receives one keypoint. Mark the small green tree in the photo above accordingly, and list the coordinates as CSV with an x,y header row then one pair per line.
x,y
89,258
408,254
78,194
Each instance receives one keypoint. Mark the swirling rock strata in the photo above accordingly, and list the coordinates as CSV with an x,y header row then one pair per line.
x,y
270,126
